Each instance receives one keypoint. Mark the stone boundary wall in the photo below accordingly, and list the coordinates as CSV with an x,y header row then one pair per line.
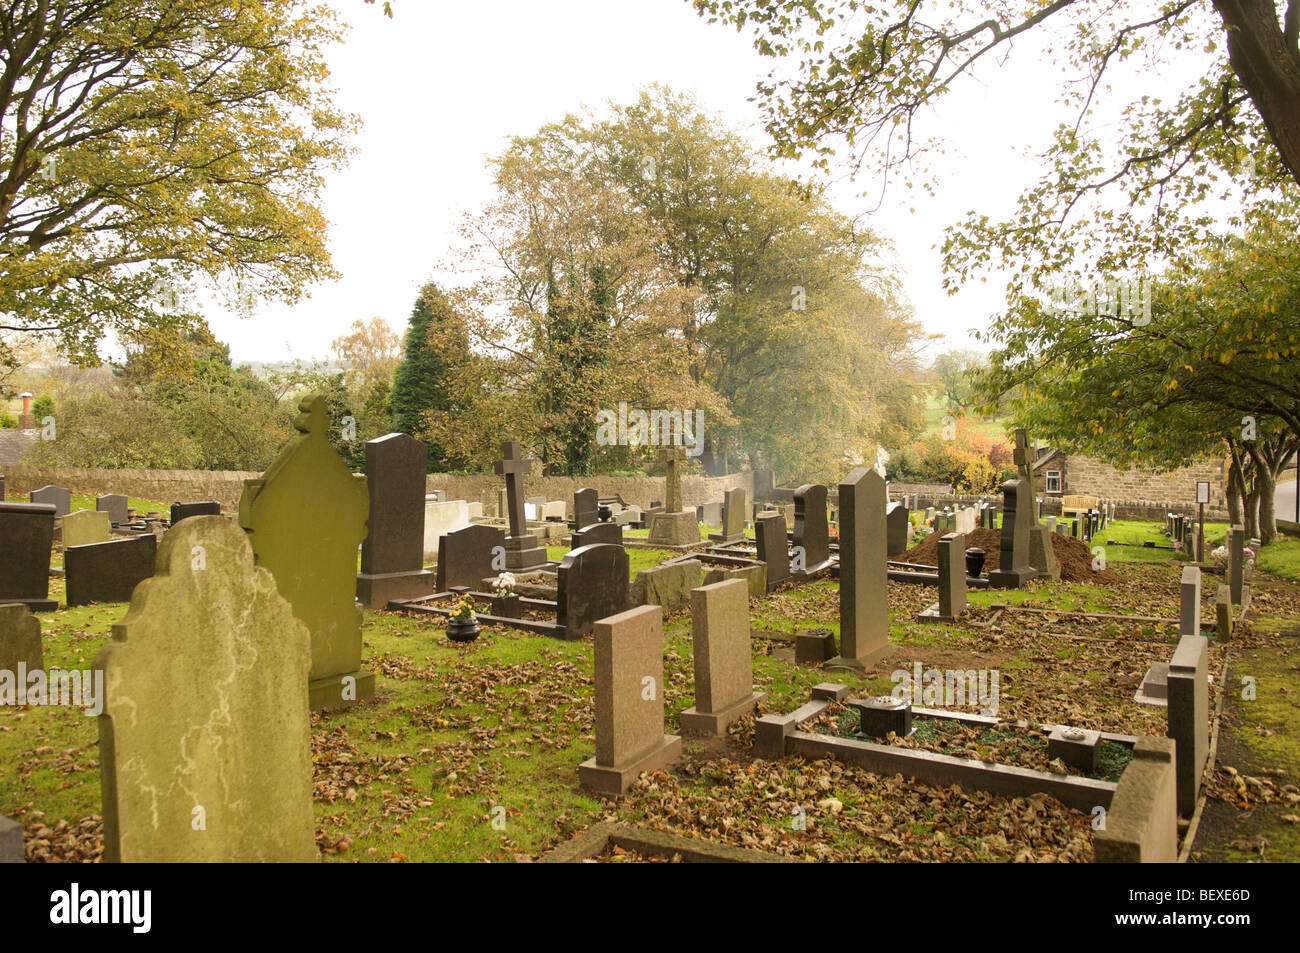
x,y
168,486
1124,509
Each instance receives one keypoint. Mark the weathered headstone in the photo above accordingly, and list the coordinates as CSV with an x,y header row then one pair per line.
x,y
181,511
952,576
392,555
115,505
810,531
108,571
586,508
1189,705
305,518
20,640
724,673
629,702
1223,611
1236,562
1189,602
710,514
733,517
667,585
591,583
864,591
773,548
27,532
59,497
898,528
1042,557
217,769
1013,556
467,556
86,526
522,552
672,527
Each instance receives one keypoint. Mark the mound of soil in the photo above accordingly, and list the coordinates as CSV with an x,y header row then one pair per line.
x,y
1074,555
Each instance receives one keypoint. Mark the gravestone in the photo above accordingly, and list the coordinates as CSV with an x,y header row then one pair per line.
x,y
1189,602
305,519
522,552
810,530
11,837
667,585
586,508
733,517
952,580
27,532
1189,705
724,673
1013,554
115,505
591,583
710,514
1236,562
440,518
672,527
109,571
181,511
864,593
503,503
205,739
86,526
59,497
20,641
1042,557
2,487
392,555
898,528
466,556
629,702
773,548
610,533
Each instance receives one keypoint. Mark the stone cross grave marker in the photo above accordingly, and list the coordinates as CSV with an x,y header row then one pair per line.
x,y
217,769
672,527
629,702
305,519
724,673
864,591
1023,457
1013,559
522,552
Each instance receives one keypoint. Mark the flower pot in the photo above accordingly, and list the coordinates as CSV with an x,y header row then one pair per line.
x,y
507,607
975,561
463,630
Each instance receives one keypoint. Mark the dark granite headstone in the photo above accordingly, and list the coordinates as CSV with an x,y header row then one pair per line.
x,y
522,552
586,508
60,497
810,530
773,547
898,529
465,555
591,584
108,572
392,554
606,533
114,504
1013,560
26,536
182,511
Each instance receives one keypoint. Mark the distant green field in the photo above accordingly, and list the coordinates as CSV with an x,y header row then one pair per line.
x,y
936,408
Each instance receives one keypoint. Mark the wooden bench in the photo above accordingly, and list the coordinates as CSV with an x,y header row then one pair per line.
x,y
1078,505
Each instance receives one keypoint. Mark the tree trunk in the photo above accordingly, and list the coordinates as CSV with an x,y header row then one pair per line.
x,y
1267,485
1264,56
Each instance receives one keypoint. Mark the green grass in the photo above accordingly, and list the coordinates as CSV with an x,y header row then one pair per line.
x,y
1281,558
83,501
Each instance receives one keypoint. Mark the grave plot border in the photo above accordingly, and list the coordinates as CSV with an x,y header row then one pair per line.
x,y
778,735
552,629
605,834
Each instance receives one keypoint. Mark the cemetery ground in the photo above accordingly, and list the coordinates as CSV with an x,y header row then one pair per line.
x,y
470,751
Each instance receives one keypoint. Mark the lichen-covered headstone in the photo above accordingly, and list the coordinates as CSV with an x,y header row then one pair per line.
x,y
20,640
85,527
204,742
305,519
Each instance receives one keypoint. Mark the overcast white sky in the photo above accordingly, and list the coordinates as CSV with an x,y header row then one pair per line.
x,y
442,85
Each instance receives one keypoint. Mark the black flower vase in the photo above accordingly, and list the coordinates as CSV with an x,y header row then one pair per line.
x,y
463,630
505,607
974,562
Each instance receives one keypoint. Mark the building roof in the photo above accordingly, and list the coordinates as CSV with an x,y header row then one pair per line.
x,y
14,445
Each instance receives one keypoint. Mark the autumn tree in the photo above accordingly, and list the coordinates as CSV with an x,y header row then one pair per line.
x,y
149,146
